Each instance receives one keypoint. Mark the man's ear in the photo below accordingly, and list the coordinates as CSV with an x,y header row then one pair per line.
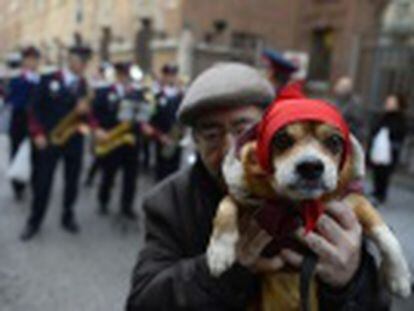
x,y
358,159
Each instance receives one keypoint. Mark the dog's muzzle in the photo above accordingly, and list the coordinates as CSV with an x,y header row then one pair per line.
x,y
310,170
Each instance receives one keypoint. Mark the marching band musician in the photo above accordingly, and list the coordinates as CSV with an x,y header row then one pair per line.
x,y
113,106
19,91
168,94
60,95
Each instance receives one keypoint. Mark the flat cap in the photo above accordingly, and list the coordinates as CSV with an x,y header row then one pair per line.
x,y
225,85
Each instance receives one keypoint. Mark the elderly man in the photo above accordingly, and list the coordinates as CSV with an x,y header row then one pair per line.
x,y
171,273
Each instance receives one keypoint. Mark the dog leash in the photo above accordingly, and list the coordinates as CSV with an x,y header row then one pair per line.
x,y
306,273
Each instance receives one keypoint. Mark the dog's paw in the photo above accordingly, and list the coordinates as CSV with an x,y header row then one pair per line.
x,y
398,278
221,253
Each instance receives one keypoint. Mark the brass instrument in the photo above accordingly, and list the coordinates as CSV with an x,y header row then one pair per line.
x,y
66,128
119,136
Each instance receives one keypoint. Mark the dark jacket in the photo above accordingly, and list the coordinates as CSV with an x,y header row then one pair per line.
x,y
53,100
107,104
19,92
168,103
397,125
171,272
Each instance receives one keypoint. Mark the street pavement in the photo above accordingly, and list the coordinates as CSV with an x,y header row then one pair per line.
x,y
91,272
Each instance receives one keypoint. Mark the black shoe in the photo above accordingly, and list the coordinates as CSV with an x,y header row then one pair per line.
x,y
29,233
129,214
71,226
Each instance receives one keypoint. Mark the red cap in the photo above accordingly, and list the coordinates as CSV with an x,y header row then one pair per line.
x,y
284,112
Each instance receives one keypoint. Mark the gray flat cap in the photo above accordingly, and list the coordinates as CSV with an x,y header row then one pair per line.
x,y
224,85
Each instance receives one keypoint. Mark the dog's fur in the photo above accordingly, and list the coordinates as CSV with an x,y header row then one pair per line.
x,y
299,143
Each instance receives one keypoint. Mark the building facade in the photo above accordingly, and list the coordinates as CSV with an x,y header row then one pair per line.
x,y
329,31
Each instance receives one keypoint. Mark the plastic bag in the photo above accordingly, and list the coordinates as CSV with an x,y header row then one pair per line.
x,y
381,152
21,166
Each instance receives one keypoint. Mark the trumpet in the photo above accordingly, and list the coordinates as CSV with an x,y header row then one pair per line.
x,y
66,128
119,136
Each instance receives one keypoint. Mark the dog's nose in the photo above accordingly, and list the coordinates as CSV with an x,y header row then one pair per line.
x,y
311,169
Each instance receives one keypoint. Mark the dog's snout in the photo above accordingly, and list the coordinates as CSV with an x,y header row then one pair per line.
x,y
310,169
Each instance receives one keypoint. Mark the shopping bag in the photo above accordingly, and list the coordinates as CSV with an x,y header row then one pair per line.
x,y
381,150
21,166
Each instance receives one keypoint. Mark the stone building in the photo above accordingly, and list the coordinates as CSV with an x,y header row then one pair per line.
x,y
329,31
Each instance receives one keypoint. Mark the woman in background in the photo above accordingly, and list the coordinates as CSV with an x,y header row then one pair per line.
x,y
393,122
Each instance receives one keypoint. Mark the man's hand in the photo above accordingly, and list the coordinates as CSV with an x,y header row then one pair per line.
x,y
40,142
101,135
337,244
251,244
82,107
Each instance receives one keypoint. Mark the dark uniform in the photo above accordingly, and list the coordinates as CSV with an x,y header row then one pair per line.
x,y
57,95
110,110
18,95
168,99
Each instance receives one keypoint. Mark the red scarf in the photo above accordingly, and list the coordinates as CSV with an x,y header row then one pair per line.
x,y
289,110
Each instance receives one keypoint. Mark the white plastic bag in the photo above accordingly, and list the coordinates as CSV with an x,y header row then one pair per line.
x,y
381,153
21,166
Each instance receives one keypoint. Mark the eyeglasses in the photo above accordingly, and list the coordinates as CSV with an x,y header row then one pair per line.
x,y
215,134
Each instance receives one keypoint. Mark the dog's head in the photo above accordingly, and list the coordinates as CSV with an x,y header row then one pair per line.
x,y
307,160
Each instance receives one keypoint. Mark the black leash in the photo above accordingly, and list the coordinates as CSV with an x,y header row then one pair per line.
x,y
306,273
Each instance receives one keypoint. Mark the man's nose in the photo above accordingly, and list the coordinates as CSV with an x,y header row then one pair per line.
x,y
310,169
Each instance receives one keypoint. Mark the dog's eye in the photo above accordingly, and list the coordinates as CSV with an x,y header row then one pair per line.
x,y
334,143
283,141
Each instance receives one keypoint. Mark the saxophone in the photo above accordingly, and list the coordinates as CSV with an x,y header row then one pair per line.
x,y
66,128
119,136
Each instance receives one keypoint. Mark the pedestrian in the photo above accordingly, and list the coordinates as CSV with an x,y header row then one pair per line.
x,y
351,107
385,144
171,272
60,95
112,110
19,92
168,94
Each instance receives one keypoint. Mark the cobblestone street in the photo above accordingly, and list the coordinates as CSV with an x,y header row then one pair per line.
x,y
90,272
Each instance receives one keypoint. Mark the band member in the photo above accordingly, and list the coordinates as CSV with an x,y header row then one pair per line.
x,y
59,104
168,94
115,107
278,69
18,95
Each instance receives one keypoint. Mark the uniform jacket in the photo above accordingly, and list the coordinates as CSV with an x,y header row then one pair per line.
x,y
107,104
171,271
168,100
20,90
53,99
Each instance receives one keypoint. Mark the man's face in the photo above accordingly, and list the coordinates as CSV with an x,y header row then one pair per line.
x,y
217,129
77,65
31,63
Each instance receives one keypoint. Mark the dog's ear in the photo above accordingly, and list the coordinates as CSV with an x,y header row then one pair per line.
x,y
358,159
